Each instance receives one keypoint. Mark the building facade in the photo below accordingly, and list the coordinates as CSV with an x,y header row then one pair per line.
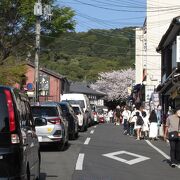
x,y
51,84
158,17
169,48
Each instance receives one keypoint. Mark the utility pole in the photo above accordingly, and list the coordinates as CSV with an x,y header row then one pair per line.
x,y
38,14
46,13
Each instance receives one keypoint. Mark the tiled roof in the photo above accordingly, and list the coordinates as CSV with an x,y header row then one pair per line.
x,y
85,89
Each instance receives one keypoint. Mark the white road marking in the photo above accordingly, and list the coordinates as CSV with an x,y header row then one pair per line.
x,y
158,150
138,158
87,141
79,163
95,126
92,132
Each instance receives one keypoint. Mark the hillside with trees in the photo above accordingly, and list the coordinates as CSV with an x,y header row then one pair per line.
x,y
78,56
81,56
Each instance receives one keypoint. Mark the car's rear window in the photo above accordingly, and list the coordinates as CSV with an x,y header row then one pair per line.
x,y
76,109
80,102
4,120
64,108
40,111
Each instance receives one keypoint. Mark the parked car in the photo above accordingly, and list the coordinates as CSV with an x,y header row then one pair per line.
x,y
70,115
19,146
51,126
82,119
83,101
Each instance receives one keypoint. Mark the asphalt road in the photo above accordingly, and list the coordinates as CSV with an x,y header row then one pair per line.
x,y
104,153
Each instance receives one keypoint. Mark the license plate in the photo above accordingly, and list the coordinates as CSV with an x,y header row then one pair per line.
x,y
39,138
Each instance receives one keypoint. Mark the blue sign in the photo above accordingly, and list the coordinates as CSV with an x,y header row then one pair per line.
x,y
30,86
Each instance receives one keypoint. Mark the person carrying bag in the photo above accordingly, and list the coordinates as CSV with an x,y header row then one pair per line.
x,y
175,135
172,128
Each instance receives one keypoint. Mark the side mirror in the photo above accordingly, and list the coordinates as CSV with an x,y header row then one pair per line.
x,y
40,121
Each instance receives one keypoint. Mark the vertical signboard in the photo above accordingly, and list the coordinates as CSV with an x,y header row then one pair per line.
x,y
177,49
149,90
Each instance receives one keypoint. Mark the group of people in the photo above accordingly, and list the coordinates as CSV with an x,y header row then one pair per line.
x,y
138,122
142,124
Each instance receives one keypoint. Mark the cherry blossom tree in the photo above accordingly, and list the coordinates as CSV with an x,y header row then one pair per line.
x,y
115,84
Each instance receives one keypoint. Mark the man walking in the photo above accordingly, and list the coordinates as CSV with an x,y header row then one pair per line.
x,y
173,128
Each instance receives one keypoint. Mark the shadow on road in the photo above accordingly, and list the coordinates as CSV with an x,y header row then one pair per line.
x,y
52,148
43,176
167,161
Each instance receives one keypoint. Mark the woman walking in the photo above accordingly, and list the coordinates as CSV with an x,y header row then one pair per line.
x,y
153,129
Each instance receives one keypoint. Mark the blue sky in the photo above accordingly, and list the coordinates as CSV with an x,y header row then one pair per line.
x,y
106,14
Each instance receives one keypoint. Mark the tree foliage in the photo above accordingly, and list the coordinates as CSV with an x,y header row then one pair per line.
x,y
17,28
12,72
115,83
17,24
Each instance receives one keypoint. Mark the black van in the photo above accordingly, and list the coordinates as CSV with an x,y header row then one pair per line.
x,y
19,147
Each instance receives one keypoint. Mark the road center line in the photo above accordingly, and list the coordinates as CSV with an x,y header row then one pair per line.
x,y
87,141
79,163
158,150
92,132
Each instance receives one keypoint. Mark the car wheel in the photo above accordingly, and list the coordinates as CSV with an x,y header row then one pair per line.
x,y
39,166
67,140
27,173
73,135
85,128
76,134
61,145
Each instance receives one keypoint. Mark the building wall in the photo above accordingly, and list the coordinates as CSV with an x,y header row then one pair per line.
x,y
55,86
30,75
55,89
159,16
139,55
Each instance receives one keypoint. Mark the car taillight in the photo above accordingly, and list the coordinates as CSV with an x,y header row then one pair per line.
x,y
15,139
55,121
9,99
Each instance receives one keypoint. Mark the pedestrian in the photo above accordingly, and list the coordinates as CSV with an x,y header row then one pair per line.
x,y
132,121
138,125
153,129
110,115
172,128
118,115
145,126
159,120
126,115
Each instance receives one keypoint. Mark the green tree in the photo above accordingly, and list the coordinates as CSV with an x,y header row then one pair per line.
x,y
17,32
17,25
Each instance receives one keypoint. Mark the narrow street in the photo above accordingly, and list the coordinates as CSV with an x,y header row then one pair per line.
x,y
105,153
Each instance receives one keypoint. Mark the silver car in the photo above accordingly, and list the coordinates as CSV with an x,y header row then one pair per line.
x,y
51,127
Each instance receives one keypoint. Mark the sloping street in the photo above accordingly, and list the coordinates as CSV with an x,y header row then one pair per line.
x,y
105,153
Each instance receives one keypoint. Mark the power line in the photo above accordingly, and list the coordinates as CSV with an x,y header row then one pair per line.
x,y
124,10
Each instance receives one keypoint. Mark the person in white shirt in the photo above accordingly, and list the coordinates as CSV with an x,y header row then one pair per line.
x,y
145,127
110,115
126,115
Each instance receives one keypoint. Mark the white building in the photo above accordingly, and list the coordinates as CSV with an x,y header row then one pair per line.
x,y
148,62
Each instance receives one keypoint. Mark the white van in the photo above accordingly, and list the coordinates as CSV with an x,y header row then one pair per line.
x,y
81,99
